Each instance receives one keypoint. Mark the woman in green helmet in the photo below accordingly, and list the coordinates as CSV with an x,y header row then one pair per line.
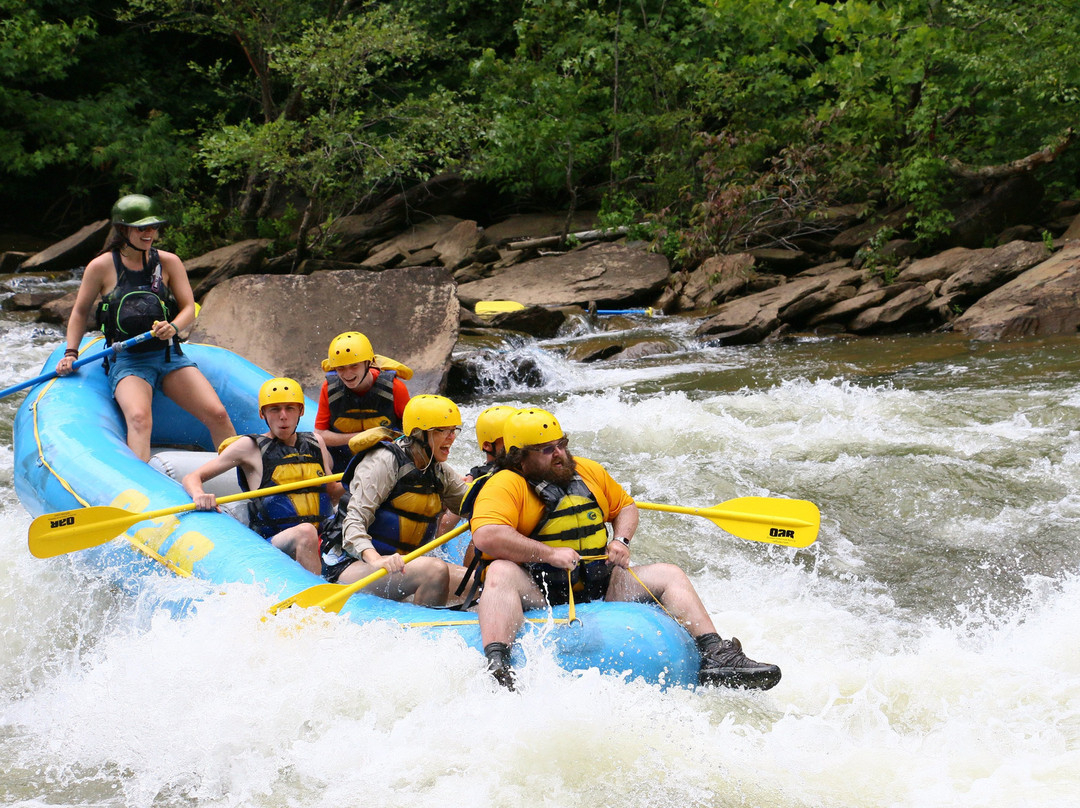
x,y
143,289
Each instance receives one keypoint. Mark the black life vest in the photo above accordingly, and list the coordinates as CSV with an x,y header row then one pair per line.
x,y
285,464
139,299
350,412
475,561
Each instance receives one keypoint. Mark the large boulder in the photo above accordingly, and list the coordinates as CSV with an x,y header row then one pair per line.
x,y
992,268
284,323
524,226
751,319
242,258
900,310
1040,302
74,251
972,273
719,279
610,274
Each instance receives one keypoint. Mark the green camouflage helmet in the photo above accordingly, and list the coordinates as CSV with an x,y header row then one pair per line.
x,y
136,210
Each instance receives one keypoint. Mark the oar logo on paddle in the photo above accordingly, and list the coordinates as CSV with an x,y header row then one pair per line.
x,y
67,520
780,533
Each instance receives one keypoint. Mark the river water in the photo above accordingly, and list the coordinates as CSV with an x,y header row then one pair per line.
x,y
929,639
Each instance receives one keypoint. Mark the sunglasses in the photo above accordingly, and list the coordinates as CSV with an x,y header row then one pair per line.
x,y
446,430
142,228
562,443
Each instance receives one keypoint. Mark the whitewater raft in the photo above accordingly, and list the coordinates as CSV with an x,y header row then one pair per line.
x,y
70,452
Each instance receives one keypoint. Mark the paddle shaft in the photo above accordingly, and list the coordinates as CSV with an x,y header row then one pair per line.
x,y
718,511
54,534
332,597
78,363
610,312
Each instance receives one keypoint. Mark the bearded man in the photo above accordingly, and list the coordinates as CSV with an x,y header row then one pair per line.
x,y
540,524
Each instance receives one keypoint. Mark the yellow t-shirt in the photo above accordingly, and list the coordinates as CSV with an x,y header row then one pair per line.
x,y
508,499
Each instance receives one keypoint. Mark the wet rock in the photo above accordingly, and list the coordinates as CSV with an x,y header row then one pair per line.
x,y
242,258
456,247
59,310
1042,301
598,354
76,250
639,350
29,301
610,274
907,307
284,323
784,262
538,225
986,270
11,260
537,321
486,372
751,319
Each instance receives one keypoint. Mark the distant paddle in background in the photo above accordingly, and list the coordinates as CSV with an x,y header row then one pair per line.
x,y
489,308
86,360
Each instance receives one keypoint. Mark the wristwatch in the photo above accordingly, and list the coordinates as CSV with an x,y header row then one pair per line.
x,y
623,539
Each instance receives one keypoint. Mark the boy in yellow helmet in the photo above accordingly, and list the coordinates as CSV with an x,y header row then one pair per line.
x,y
356,395
289,521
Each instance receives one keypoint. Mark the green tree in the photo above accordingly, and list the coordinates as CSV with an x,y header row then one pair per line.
x,y
340,113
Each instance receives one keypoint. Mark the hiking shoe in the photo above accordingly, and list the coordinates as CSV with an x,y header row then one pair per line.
x,y
724,664
498,663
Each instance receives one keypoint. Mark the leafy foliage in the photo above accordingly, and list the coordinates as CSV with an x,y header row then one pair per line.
x,y
706,124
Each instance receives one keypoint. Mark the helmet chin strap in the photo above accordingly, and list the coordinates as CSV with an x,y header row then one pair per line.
x,y
424,448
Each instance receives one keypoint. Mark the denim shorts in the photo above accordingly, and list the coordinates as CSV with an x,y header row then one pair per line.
x,y
151,367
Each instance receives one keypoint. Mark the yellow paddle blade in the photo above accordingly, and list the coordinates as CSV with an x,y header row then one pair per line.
x,y
331,597
54,534
775,520
489,308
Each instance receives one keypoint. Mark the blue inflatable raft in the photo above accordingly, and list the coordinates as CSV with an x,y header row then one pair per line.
x,y
70,452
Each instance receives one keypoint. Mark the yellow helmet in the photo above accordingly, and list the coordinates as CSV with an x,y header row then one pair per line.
x,y
489,423
530,427
429,412
281,391
348,349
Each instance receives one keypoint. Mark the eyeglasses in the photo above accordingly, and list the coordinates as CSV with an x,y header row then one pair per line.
x,y
447,430
550,448
144,227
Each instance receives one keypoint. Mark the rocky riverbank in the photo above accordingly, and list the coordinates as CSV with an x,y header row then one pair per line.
x,y
411,272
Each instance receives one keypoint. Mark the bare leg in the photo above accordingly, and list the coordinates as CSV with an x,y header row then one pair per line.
x,y
302,543
135,395
671,587
508,591
191,390
426,579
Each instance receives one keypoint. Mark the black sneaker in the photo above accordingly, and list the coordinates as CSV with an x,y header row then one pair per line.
x,y
724,664
498,663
